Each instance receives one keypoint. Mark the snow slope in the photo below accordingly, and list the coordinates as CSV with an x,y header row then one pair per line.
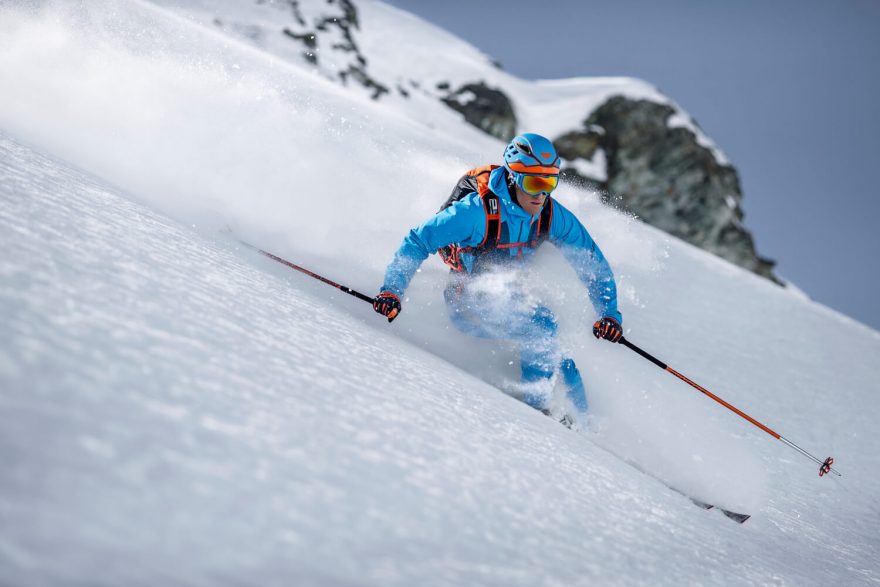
x,y
178,410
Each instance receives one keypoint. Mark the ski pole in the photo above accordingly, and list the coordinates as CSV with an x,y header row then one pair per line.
x,y
824,466
338,286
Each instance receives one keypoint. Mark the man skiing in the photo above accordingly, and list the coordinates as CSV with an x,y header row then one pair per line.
x,y
494,220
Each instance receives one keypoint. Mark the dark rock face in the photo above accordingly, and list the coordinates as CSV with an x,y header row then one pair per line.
x,y
332,28
665,177
577,144
488,109
310,42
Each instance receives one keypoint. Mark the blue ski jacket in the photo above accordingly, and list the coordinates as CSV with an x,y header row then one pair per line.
x,y
464,223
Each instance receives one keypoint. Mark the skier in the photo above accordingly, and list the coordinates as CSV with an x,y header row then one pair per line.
x,y
494,220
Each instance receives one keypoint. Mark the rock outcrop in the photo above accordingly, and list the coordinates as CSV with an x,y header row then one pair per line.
x,y
660,173
325,34
489,109
664,176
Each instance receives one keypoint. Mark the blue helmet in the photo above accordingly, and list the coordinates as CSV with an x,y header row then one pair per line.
x,y
531,154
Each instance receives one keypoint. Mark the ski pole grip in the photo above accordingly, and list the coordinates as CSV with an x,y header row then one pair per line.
x,y
648,356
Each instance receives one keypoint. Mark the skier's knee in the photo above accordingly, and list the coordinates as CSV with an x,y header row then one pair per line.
x,y
545,320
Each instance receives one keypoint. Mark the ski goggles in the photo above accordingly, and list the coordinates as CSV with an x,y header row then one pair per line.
x,y
536,184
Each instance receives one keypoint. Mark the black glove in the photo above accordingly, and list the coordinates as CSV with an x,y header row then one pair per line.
x,y
608,328
387,304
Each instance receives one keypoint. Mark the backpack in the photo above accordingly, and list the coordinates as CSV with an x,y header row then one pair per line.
x,y
477,180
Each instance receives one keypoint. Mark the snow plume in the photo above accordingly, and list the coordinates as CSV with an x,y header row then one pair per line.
x,y
209,130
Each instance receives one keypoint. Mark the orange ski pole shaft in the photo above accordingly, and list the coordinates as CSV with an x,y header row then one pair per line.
x,y
824,466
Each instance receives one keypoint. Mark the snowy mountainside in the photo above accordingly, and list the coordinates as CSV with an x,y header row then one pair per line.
x,y
186,409
639,149
392,43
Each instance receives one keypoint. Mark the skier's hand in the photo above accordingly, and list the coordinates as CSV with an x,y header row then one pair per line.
x,y
387,304
608,328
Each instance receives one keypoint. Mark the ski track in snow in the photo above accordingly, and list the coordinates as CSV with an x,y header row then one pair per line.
x,y
178,410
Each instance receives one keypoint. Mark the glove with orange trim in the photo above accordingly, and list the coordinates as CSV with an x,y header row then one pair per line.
x,y
387,304
608,328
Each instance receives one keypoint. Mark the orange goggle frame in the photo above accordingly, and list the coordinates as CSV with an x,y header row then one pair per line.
x,y
536,184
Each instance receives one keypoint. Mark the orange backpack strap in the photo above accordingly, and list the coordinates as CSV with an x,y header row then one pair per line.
x,y
491,204
481,174
475,180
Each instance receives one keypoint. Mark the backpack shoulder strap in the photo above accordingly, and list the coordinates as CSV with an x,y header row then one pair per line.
x,y
493,220
481,175
475,180
491,204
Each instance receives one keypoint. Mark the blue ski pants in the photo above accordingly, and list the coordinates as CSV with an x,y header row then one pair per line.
x,y
531,326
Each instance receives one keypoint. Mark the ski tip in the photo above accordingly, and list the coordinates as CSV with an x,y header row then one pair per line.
x,y
702,504
736,517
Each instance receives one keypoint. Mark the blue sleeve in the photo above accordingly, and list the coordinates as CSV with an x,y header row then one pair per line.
x,y
584,255
464,223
